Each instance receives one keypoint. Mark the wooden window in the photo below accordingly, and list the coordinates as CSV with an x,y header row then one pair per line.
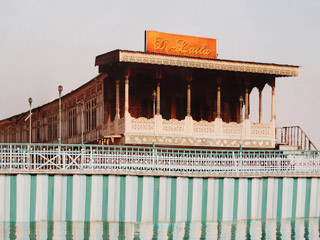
x,y
91,115
72,122
52,127
21,134
38,132
13,135
5,136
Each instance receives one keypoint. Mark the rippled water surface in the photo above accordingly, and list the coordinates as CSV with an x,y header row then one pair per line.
x,y
271,229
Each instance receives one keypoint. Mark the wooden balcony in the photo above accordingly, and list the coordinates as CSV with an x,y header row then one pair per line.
x,y
188,132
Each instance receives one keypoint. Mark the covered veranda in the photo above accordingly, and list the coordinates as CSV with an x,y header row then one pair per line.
x,y
186,101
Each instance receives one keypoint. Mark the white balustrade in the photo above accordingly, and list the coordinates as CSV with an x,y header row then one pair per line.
x,y
64,158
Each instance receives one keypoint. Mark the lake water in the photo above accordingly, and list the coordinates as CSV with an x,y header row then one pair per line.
x,y
270,229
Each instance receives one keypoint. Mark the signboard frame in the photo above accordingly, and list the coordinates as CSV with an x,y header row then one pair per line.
x,y
182,45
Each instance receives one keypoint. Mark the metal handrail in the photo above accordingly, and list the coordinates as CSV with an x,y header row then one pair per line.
x,y
294,135
21,157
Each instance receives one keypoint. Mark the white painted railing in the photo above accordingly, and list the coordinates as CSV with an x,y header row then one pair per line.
x,y
130,158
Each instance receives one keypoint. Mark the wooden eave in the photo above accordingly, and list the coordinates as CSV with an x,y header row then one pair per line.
x,y
124,56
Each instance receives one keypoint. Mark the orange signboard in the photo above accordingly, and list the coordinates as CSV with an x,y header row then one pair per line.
x,y
173,44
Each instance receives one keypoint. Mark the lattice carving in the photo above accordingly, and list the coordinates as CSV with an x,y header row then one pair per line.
x,y
232,129
173,126
260,130
142,124
203,127
201,141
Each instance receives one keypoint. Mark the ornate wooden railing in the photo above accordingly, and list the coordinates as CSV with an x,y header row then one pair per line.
x,y
295,136
188,126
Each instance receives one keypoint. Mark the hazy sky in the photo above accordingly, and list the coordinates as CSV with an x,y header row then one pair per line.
x,y
47,43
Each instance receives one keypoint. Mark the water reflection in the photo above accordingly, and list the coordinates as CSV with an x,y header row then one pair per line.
x,y
271,229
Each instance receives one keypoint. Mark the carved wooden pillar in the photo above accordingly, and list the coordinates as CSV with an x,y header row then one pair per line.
x,y
118,98
260,105
273,101
219,97
189,79
158,97
246,100
158,76
126,90
126,93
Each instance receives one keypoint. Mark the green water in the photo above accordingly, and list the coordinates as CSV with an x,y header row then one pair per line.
x,y
271,229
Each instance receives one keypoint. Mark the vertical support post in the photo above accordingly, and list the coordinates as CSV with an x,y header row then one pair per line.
x,y
273,103
30,128
63,160
189,79
82,121
91,158
60,88
158,77
240,109
260,105
34,159
10,157
305,141
154,95
59,119
126,91
82,157
219,96
246,99
30,122
118,98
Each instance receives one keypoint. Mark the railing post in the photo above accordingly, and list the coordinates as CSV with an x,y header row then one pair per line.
x,y
236,163
308,161
10,157
82,157
153,156
34,161
59,154
63,160
91,159
157,159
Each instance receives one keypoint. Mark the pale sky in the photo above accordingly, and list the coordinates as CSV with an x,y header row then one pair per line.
x,y
47,43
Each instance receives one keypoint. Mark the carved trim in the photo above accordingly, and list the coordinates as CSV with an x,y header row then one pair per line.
x,y
260,130
204,142
142,124
216,64
173,125
203,128
232,129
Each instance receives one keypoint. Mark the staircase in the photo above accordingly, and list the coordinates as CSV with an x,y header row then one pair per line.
x,y
293,137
